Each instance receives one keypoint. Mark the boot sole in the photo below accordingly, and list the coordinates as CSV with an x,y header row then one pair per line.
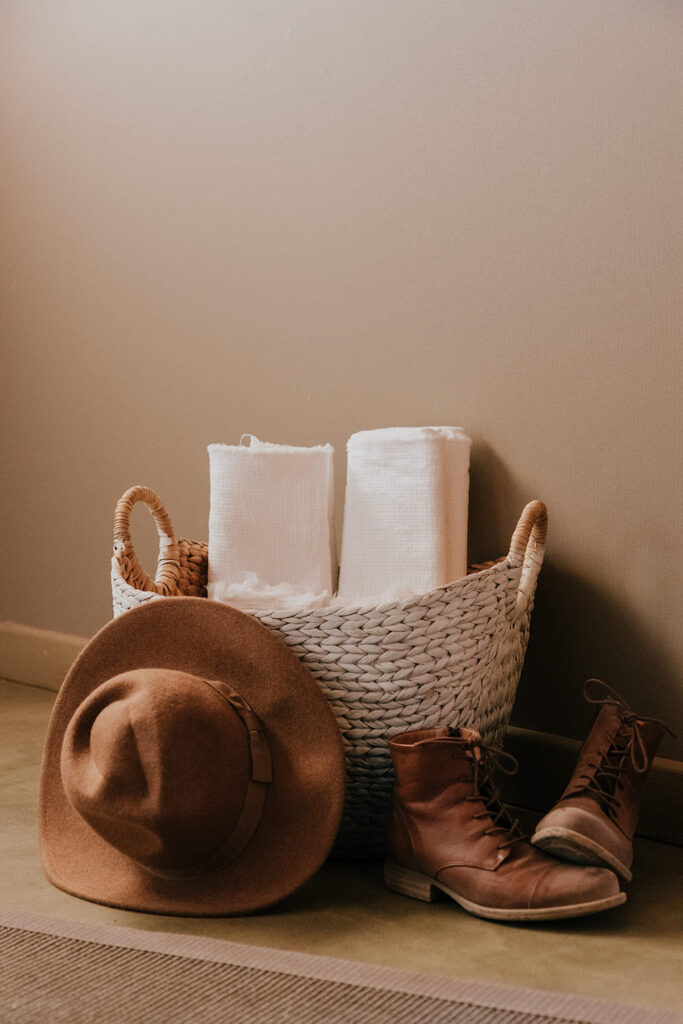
x,y
573,846
422,887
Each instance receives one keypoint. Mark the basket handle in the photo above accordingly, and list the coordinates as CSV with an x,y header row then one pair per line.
x,y
527,548
168,566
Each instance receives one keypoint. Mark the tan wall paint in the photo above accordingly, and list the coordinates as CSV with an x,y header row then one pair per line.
x,y
305,218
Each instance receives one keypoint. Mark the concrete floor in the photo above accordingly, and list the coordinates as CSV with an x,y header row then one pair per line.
x,y
630,955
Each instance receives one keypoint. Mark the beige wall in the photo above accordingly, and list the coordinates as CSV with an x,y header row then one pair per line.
x,y
301,218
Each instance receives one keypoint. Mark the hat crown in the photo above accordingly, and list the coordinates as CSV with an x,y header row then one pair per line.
x,y
157,762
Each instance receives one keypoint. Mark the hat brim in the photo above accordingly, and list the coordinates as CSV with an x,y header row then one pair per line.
x,y
303,805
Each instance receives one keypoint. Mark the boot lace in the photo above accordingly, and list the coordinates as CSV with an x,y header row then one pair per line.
x,y
486,792
626,751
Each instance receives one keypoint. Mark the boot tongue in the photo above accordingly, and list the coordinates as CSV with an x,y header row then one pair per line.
x,y
468,736
487,792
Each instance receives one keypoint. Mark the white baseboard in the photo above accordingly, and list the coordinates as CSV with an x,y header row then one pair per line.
x,y
37,657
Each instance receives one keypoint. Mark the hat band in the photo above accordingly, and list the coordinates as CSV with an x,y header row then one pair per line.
x,y
252,809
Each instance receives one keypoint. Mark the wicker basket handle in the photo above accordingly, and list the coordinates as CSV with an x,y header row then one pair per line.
x,y
527,548
168,565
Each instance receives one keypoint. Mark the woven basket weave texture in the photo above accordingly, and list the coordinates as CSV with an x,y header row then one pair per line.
x,y
452,656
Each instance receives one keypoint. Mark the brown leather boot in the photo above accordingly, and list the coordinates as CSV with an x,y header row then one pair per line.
x,y
450,834
595,818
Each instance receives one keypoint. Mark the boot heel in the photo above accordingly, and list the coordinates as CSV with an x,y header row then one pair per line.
x,y
411,883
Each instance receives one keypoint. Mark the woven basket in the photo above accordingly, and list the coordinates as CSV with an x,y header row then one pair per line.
x,y
451,656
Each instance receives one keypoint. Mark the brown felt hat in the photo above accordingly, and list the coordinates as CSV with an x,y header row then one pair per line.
x,y
192,765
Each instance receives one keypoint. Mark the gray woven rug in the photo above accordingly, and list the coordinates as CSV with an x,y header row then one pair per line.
x,y
53,971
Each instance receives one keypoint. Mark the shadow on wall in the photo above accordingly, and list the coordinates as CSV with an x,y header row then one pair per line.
x,y
578,628
497,499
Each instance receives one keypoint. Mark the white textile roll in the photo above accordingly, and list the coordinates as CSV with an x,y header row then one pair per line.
x,y
405,513
271,526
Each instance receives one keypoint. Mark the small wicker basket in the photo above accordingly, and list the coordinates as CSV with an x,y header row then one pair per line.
x,y
451,656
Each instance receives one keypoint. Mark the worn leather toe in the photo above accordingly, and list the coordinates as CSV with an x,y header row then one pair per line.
x,y
579,816
564,885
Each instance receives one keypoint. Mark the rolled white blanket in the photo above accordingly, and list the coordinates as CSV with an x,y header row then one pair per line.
x,y
271,525
405,513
